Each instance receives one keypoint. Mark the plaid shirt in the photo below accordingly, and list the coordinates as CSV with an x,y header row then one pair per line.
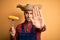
x,y
19,29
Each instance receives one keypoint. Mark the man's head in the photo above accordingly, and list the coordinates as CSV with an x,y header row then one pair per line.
x,y
28,10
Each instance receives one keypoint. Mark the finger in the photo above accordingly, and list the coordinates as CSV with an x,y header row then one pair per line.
x,y
31,18
12,29
36,10
40,13
33,12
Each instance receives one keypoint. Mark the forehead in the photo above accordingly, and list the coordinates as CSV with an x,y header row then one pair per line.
x,y
28,11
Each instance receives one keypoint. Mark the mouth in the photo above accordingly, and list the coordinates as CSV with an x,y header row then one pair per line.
x,y
28,19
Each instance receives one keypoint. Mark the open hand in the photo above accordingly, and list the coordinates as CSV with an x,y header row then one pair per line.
x,y
37,18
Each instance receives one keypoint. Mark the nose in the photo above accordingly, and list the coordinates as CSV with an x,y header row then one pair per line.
x,y
29,15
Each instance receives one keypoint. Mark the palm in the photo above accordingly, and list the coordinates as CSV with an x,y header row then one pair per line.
x,y
38,21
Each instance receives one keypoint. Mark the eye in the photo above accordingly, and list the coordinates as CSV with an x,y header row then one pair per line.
x,y
26,13
31,13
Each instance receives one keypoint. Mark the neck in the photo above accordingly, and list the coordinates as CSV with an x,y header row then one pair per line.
x,y
28,22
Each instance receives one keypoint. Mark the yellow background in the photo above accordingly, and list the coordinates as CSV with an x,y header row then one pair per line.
x,y
51,13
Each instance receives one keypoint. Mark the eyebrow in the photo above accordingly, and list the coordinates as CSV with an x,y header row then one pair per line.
x,y
25,11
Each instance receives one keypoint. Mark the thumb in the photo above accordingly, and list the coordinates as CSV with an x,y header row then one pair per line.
x,y
31,18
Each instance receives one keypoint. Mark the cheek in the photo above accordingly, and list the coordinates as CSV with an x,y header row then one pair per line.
x,y
31,15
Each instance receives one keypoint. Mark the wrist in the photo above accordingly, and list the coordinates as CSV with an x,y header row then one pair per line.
x,y
40,28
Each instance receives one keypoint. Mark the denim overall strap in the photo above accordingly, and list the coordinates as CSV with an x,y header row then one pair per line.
x,y
31,35
27,36
21,36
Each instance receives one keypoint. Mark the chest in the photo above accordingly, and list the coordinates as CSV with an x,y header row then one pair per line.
x,y
26,28
27,35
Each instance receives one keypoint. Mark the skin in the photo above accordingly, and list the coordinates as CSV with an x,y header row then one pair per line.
x,y
34,16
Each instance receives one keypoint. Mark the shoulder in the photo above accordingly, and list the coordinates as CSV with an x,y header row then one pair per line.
x,y
19,28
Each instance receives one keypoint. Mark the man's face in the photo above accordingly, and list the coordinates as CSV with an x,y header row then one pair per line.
x,y
28,15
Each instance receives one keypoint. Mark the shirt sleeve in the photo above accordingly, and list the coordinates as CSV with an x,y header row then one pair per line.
x,y
44,28
41,30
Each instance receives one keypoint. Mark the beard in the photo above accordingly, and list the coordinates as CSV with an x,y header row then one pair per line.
x,y
28,19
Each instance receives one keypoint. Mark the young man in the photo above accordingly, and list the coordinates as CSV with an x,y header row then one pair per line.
x,y
32,27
